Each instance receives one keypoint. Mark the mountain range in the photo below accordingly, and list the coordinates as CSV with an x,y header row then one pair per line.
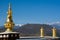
x,y
33,29
55,24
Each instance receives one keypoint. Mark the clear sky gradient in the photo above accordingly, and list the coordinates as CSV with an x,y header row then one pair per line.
x,y
31,11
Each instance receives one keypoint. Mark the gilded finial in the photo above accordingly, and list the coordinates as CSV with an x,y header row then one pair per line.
x,y
54,32
41,32
9,22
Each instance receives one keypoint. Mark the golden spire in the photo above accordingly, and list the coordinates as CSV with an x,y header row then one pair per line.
x,y
41,32
9,22
54,32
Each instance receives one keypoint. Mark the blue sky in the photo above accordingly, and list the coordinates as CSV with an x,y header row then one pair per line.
x,y
31,11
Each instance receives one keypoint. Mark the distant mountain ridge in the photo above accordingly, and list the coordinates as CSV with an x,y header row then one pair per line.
x,y
28,29
33,29
55,24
